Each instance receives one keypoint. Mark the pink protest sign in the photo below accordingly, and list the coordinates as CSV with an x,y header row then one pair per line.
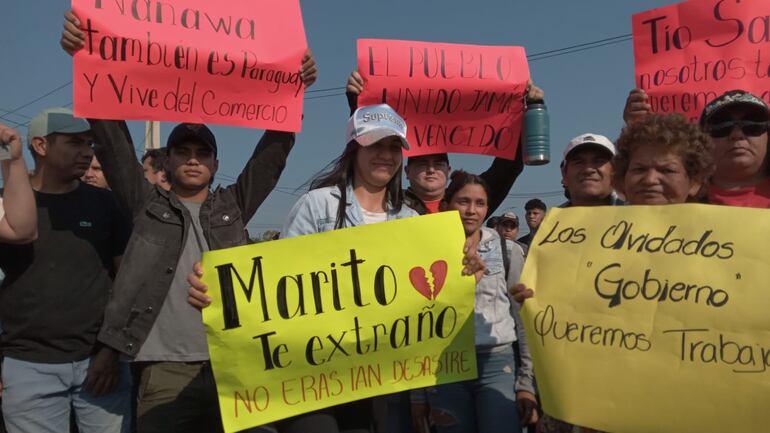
x,y
689,53
454,98
234,62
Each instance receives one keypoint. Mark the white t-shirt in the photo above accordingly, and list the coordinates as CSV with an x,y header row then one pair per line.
x,y
374,217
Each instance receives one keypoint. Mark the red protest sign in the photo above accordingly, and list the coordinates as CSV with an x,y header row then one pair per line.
x,y
454,98
231,63
689,53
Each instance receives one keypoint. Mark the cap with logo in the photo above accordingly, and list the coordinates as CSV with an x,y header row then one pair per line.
x,y
372,123
56,120
509,216
589,140
731,99
196,132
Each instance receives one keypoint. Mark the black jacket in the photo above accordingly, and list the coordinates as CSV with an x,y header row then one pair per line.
x,y
161,223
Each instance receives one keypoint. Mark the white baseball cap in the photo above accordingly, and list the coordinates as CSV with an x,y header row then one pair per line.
x,y
372,123
589,139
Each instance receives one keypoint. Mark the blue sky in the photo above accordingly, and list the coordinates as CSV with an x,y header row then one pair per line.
x,y
585,91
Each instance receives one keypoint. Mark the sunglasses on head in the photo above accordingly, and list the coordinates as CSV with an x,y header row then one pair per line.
x,y
750,128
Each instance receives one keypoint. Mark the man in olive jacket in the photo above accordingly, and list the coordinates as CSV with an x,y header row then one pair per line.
x,y
148,317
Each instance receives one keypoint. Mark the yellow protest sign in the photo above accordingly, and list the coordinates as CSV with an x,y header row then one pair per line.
x,y
652,318
315,321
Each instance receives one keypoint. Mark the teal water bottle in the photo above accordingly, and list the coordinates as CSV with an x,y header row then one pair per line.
x,y
537,135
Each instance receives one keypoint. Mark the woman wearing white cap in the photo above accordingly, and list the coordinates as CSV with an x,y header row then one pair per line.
x,y
361,186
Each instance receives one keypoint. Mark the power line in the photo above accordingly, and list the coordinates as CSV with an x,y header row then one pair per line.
x,y
536,194
15,123
16,114
43,96
325,90
580,45
532,57
582,49
546,54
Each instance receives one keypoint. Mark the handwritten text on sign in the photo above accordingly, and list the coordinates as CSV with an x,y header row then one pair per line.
x,y
454,98
233,63
372,310
689,53
663,311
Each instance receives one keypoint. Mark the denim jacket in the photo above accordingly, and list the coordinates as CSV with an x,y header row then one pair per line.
x,y
496,316
161,223
494,322
316,212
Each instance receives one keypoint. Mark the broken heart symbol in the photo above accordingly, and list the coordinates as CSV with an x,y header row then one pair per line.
x,y
420,282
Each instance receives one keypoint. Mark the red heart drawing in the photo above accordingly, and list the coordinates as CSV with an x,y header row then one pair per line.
x,y
420,282
439,270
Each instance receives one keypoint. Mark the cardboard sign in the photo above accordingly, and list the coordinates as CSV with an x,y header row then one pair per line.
x,y
372,310
230,63
689,53
454,98
652,318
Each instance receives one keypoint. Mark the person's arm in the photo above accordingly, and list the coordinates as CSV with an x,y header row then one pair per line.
x,y
502,174
262,171
104,370
637,107
525,378
120,232
526,400
266,164
525,375
354,88
500,177
19,224
113,146
124,173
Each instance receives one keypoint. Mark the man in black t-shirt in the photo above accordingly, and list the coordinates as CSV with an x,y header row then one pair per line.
x,y
55,291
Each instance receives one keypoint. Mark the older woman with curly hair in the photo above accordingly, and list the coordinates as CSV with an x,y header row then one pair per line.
x,y
739,125
663,159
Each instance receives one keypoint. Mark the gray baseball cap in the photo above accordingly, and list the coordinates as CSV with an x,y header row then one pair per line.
x,y
372,123
56,120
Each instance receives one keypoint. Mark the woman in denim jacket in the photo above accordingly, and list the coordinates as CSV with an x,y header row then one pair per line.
x,y
362,186
486,404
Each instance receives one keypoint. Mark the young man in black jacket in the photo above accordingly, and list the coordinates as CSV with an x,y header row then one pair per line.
x,y
148,317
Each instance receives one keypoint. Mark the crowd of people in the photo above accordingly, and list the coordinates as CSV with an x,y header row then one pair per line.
x,y
101,293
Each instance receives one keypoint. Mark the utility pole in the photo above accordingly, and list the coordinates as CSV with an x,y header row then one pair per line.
x,y
152,135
